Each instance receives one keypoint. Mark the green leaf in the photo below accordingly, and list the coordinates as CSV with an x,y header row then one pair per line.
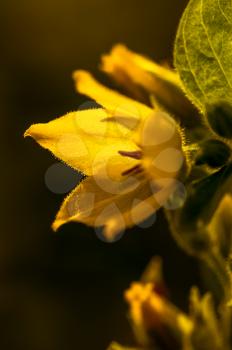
x,y
219,116
220,227
203,51
203,197
213,152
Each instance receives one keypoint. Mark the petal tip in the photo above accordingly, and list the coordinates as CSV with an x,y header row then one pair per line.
x,y
83,80
119,47
79,75
56,225
108,60
29,132
33,131
26,133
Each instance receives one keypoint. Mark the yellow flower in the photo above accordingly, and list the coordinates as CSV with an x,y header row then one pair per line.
x,y
130,153
154,316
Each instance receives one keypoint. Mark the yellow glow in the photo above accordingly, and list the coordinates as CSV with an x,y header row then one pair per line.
x,y
119,190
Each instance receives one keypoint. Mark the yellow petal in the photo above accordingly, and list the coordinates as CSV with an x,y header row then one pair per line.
x,y
115,103
109,199
131,70
161,143
80,137
121,57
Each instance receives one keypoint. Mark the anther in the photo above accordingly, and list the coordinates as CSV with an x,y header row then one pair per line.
x,y
133,171
131,154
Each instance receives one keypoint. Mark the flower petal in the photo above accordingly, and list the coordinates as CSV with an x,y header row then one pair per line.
x,y
122,58
79,138
161,143
133,70
101,201
114,102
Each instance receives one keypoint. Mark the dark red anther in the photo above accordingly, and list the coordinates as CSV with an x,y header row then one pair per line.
x,y
133,171
131,154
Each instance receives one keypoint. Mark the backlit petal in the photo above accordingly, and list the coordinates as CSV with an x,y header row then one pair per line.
x,y
133,71
118,105
161,142
79,138
114,204
131,62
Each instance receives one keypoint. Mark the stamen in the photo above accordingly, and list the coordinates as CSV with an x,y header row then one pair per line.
x,y
131,154
133,171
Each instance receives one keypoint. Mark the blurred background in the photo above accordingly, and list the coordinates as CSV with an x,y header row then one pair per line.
x,y
64,291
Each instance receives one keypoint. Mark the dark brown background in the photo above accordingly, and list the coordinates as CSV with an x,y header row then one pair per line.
x,y
64,291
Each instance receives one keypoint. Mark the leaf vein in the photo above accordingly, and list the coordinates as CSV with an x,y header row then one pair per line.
x,y
223,13
211,45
